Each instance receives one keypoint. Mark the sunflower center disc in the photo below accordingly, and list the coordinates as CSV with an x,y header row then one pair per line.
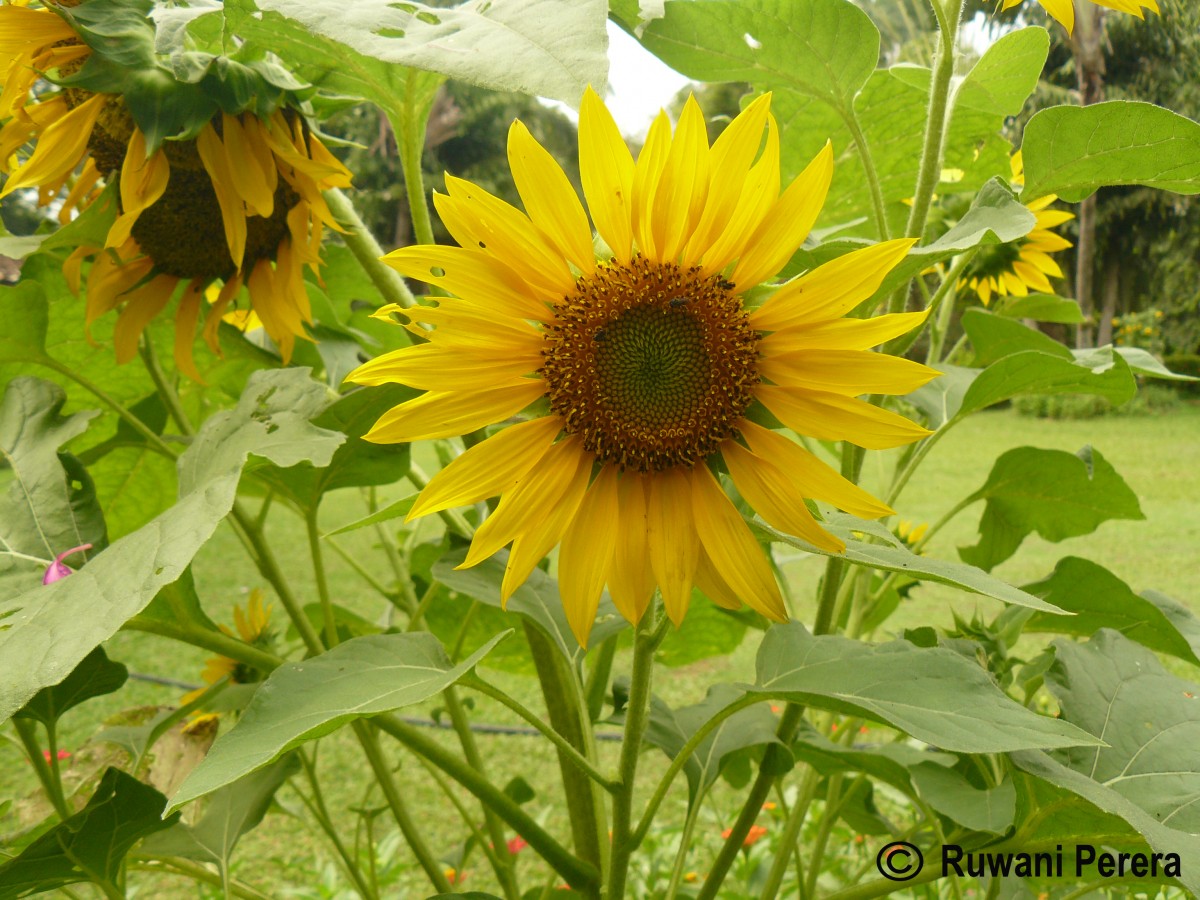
x,y
651,364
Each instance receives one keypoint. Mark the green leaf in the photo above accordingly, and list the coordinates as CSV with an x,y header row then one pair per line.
x,y
893,556
670,730
933,694
1145,363
26,318
1006,74
1055,493
941,399
356,463
306,700
55,626
952,795
179,604
706,631
95,676
229,813
535,46
90,845
394,510
1100,599
1098,371
825,49
890,762
994,337
1073,150
537,599
50,503
1042,308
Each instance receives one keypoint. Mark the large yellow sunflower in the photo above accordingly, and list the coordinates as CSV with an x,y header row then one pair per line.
x,y
1025,264
645,372
1064,10
238,203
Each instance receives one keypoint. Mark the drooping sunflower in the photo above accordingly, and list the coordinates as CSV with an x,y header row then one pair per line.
x,y
1064,10
1025,264
253,626
232,198
644,374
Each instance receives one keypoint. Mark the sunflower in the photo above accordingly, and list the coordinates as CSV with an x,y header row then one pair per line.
x,y
1022,265
646,372
234,199
253,626
1064,10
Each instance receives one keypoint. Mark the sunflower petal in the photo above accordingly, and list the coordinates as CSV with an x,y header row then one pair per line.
x,y
141,305
60,146
587,551
646,174
841,334
439,414
834,417
674,546
430,367
472,275
606,170
683,185
233,215
850,372
143,182
713,586
630,577
185,329
549,198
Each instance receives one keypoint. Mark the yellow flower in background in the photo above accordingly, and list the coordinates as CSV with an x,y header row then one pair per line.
x,y
909,533
1023,265
253,627
239,204
1064,10
642,372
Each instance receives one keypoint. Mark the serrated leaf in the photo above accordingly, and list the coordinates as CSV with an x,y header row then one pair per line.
x,y
894,556
1100,599
305,700
1055,493
90,845
1073,150
933,694
52,627
95,676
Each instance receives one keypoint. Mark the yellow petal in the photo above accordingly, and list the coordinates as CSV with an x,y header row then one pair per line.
x,y
683,186
671,538
713,586
109,279
841,334
251,166
60,146
587,551
185,329
143,182
233,215
786,226
775,496
22,29
549,198
1032,276
439,414
850,372
79,197
428,367
646,174
811,477
735,554
606,169
833,417
472,275
141,305
1062,10
490,468
630,577
831,290
212,321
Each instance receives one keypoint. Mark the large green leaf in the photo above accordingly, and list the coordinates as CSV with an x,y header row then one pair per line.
x,y
95,676
535,46
890,762
1042,308
706,631
890,554
90,845
229,813
670,730
26,318
818,48
950,793
305,700
1148,719
1073,150
50,503
994,337
931,693
52,628
1055,493
1100,599
1006,74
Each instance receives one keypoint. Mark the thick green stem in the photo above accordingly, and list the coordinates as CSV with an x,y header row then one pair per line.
x,y
318,564
872,174
648,636
410,136
53,789
579,874
367,252
216,641
391,793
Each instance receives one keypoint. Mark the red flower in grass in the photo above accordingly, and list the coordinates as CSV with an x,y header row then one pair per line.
x,y
753,836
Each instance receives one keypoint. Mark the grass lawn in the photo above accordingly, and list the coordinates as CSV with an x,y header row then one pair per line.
x,y
1155,455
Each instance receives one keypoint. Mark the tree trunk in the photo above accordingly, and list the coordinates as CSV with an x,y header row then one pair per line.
x,y
1088,50
1112,296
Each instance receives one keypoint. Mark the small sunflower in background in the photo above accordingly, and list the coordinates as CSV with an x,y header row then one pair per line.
x,y
910,533
253,627
1023,265
219,176
649,371
1063,11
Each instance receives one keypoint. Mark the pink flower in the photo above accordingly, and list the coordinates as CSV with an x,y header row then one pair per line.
x,y
57,571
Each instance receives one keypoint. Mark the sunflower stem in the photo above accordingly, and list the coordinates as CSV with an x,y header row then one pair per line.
x,y
318,564
850,117
166,390
649,634
367,252
791,832
578,873
410,136
41,768
216,641
943,303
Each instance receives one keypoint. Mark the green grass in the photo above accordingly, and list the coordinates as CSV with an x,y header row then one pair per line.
x,y
1155,454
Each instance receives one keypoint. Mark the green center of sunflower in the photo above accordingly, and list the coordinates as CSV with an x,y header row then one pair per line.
x,y
994,259
651,364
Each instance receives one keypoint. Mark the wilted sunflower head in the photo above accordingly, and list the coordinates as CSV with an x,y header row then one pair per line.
x,y
639,380
1023,265
232,198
